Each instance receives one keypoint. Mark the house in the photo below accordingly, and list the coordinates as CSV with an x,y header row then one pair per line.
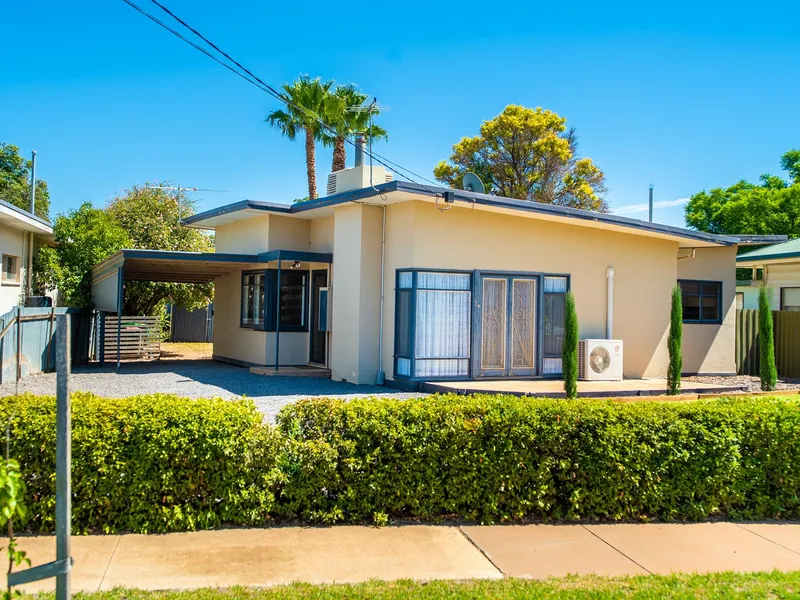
x,y
412,283
780,274
21,235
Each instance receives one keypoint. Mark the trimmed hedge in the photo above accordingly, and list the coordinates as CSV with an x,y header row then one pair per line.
x,y
149,463
494,459
162,463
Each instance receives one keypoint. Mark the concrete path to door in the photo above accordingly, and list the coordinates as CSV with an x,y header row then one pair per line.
x,y
346,554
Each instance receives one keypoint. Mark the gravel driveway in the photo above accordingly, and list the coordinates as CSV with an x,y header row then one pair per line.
x,y
199,379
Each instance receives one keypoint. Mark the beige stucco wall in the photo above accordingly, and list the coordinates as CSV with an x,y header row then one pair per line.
x,y
321,232
12,242
710,348
356,293
247,236
418,235
286,233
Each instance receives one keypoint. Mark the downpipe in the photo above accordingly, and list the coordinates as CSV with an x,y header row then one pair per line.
x,y
610,304
380,376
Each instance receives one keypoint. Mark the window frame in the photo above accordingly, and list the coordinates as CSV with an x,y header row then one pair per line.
x,y
268,323
18,275
788,287
701,295
412,321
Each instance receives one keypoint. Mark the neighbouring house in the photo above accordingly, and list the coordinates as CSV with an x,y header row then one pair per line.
x,y
418,283
779,267
21,235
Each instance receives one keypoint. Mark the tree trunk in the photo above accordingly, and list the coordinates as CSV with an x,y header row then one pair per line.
x,y
339,154
311,164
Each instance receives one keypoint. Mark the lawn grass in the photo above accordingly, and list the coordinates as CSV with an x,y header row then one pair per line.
x,y
719,585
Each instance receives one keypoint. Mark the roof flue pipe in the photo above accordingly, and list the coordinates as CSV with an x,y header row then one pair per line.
x,y
361,149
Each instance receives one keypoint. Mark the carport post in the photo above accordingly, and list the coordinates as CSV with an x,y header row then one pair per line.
x,y
278,320
120,292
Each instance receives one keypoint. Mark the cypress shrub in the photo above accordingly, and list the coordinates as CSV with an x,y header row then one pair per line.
x,y
674,343
768,371
569,354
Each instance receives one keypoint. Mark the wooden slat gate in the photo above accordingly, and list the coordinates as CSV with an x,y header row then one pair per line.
x,y
786,326
140,338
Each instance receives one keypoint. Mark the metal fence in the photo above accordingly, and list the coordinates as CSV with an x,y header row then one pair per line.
x,y
27,337
191,326
786,326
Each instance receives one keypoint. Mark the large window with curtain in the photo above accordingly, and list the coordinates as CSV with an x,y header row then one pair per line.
x,y
554,294
432,324
260,300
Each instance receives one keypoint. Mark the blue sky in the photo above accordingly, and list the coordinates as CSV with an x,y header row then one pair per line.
x,y
686,95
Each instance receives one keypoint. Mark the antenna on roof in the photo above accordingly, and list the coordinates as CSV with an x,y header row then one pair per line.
x,y
650,204
180,189
473,183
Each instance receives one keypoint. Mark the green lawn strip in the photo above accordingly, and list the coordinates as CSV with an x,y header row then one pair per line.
x,y
719,585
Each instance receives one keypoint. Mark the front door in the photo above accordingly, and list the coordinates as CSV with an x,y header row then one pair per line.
x,y
507,328
319,280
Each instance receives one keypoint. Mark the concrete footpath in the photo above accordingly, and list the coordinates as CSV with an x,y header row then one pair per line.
x,y
263,557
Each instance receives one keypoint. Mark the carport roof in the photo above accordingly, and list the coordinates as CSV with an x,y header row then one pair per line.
x,y
190,267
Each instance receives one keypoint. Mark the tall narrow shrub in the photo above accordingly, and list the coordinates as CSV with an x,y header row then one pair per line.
x,y
569,354
769,373
674,343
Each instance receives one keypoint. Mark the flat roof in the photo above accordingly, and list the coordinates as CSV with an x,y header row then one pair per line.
x,y
219,216
190,267
785,252
20,219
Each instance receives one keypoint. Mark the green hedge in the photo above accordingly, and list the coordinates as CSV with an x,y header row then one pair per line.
x,y
495,458
148,463
163,463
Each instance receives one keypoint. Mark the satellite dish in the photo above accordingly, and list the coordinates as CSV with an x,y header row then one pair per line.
x,y
473,183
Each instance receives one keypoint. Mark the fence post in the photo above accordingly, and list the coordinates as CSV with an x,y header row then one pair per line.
x,y
63,455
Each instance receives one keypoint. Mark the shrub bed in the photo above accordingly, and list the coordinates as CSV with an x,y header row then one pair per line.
x,y
493,458
148,463
162,463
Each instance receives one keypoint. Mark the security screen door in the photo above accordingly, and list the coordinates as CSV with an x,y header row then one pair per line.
x,y
507,326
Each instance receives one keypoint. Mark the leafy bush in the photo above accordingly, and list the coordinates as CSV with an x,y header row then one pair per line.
x,y
569,353
148,463
162,463
674,343
494,458
768,371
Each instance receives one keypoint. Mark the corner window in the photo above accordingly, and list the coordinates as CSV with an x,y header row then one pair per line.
x,y
260,302
10,268
432,324
702,301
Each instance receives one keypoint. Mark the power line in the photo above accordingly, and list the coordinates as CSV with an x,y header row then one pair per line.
x,y
253,79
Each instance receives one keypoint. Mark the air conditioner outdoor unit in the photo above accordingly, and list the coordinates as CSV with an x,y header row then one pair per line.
x,y
600,360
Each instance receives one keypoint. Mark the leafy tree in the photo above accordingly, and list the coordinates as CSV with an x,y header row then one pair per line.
x,y
569,354
528,154
142,218
769,207
152,220
674,343
85,237
311,100
766,342
348,121
15,182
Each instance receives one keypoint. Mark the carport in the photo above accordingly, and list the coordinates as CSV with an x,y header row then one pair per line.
x,y
110,275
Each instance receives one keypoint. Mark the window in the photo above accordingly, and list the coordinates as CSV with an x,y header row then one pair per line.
x,y
259,300
702,301
432,324
10,268
555,291
790,298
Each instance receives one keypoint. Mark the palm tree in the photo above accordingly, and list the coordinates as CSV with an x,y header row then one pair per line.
x,y
309,101
348,120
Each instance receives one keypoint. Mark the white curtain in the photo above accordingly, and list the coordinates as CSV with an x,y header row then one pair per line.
x,y
442,325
